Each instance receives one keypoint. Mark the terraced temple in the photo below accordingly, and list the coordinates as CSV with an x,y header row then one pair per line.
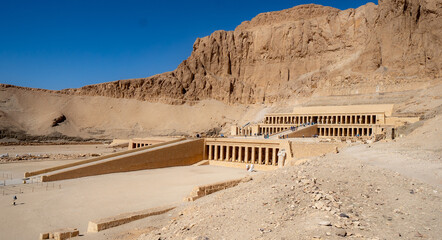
x,y
330,121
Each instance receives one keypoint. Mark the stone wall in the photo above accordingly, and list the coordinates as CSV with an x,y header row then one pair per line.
x,y
179,154
201,191
307,150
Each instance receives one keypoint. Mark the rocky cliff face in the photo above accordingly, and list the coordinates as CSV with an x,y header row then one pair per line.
x,y
305,50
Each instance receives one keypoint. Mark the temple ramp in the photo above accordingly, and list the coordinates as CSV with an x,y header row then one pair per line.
x,y
307,131
302,131
69,165
181,153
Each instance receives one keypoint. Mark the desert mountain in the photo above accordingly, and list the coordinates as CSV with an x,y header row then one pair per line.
x,y
305,50
306,55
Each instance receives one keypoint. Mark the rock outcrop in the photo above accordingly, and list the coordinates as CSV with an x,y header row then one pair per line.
x,y
305,50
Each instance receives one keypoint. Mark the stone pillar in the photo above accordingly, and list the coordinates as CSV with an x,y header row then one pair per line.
x,y
246,154
281,158
267,156
253,155
233,153
274,157
209,156
221,153
216,153
260,155
240,154
228,153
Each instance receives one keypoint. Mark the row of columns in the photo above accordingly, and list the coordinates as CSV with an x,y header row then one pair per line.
x,y
347,119
244,131
344,132
138,145
271,130
323,119
288,119
243,154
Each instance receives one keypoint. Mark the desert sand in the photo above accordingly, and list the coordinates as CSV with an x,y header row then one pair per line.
x,y
48,206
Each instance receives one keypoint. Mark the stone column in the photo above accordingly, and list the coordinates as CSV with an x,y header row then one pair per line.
x,y
253,155
209,156
260,155
274,157
216,153
267,156
228,153
246,154
240,154
221,152
233,153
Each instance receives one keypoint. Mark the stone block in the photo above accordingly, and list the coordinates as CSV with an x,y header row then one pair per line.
x,y
106,223
44,236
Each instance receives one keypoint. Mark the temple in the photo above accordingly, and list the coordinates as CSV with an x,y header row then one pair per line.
x,y
279,139
327,121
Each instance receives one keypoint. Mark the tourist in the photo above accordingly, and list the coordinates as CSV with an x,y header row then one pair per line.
x,y
13,200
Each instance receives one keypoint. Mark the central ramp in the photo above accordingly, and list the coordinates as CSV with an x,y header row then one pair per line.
x,y
181,153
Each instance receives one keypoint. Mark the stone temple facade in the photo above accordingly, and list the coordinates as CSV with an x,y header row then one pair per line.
x,y
363,121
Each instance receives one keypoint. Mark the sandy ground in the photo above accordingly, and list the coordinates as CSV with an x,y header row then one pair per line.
x,y
17,153
357,199
385,190
72,203
57,149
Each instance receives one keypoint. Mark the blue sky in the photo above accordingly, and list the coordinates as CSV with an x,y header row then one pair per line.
x,y
71,43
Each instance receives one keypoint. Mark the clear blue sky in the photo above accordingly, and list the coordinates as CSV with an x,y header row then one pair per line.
x,y
71,43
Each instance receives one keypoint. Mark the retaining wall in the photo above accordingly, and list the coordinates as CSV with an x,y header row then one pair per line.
x,y
201,191
105,223
47,170
177,154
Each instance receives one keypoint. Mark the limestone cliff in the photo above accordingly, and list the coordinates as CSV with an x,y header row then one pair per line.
x,y
305,50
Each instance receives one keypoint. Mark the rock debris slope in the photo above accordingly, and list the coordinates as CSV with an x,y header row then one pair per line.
x,y
305,50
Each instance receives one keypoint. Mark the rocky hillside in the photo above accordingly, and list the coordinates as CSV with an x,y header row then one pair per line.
x,y
305,50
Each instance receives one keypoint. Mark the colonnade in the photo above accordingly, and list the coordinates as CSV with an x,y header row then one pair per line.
x,y
138,145
271,130
244,131
289,119
261,155
345,131
323,119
